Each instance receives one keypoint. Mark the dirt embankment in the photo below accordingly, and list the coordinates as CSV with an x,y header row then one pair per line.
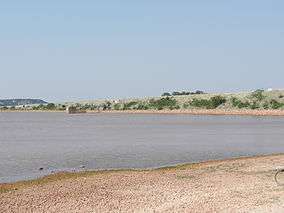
x,y
237,185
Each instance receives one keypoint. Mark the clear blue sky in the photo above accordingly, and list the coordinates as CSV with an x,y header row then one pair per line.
x,y
71,50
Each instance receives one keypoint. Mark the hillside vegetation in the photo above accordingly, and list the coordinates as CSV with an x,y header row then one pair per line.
x,y
20,102
259,99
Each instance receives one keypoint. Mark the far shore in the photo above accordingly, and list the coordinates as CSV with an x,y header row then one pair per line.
x,y
240,184
204,112
245,112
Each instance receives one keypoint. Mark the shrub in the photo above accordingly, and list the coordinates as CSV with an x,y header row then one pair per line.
x,y
163,103
35,107
275,104
50,106
245,104
3,108
94,107
117,106
176,107
129,105
235,102
63,107
166,94
201,103
217,101
254,105
266,105
239,104
198,92
175,93
41,106
142,106
186,105
258,95
182,93
212,103
105,106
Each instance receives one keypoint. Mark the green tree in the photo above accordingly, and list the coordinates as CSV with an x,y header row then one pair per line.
x,y
50,106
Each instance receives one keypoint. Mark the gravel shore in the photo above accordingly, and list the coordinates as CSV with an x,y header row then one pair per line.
x,y
237,185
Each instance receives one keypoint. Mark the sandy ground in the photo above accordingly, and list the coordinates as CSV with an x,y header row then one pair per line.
x,y
238,185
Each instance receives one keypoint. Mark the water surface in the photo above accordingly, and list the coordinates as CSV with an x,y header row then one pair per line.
x,y
58,141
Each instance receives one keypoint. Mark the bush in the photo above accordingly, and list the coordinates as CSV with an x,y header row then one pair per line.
x,y
3,108
235,102
166,94
117,106
212,103
186,105
201,103
142,106
258,95
217,101
175,93
181,93
105,106
35,107
275,104
176,107
129,105
254,105
50,106
94,107
163,103
266,105
62,107
239,104
198,92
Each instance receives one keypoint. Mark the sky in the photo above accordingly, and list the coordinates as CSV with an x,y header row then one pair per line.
x,y
63,50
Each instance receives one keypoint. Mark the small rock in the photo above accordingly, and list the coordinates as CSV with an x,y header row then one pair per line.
x,y
40,169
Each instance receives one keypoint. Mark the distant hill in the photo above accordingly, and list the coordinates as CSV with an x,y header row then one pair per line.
x,y
258,99
18,102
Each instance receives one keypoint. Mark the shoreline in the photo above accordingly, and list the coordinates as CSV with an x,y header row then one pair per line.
x,y
10,186
237,112
203,112
241,184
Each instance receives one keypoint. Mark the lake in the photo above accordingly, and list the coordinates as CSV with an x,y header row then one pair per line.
x,y
62,142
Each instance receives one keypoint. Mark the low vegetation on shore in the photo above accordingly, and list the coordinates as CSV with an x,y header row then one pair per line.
x,y
256,100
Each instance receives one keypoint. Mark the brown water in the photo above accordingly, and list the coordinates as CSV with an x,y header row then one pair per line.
x,y
57,141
